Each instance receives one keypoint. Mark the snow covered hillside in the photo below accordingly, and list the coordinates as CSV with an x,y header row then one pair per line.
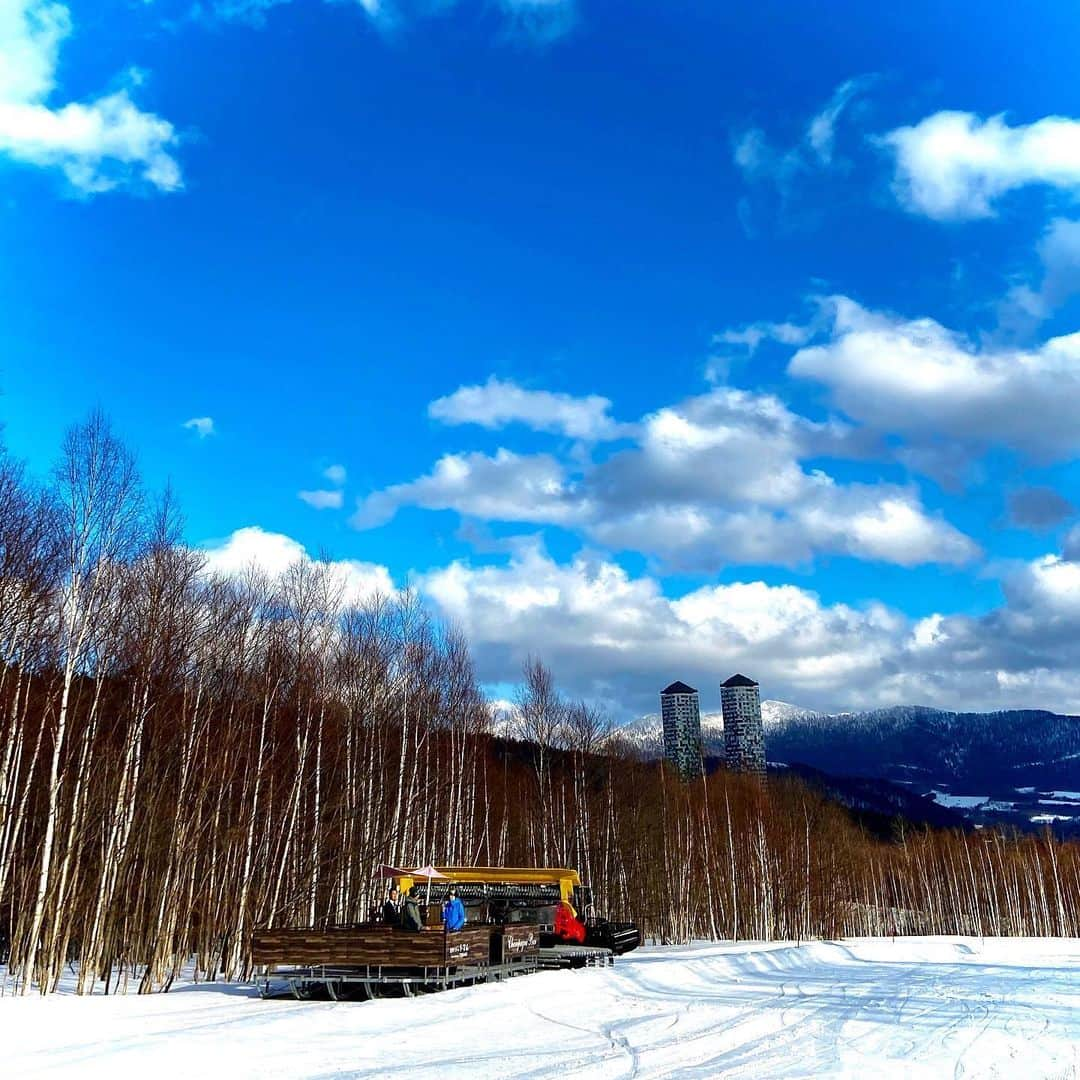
x,y
916,1007
647,731
995,768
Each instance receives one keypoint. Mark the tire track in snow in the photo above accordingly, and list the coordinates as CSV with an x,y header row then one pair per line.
x,y
924,1007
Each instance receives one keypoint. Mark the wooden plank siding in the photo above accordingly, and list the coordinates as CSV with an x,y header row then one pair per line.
x,y
514,942
374,946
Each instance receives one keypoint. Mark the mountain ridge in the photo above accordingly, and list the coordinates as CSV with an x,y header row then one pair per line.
x,y
1008,766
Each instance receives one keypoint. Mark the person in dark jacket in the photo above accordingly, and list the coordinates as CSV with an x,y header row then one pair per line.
x,y
391,909
453,912
411,918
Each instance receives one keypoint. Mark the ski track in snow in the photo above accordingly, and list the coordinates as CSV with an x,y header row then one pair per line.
x,y
866,1008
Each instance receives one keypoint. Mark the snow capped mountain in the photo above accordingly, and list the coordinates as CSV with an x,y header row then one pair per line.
x,y
647,731
995,767
908,742
778,713
914,741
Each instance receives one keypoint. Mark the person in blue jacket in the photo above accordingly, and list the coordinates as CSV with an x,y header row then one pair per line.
x,y
453,911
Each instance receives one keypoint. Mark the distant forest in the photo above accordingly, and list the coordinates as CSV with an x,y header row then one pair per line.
x,y
185,757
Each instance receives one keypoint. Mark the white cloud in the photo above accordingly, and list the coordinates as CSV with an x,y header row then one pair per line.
x,y
100,145
728,446
540,20
716,478
327,498
1025,307
617,638
1059,253
323,500
506,487
362,580
758,159
736,344
917,378
1023,652
753,334
1049,585
254,11
273,553
752,153
30,37
884,524
821,131
498,403
203,426
955,165
878,523
250,11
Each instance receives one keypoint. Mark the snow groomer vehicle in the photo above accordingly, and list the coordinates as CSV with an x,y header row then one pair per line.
x,y
518,920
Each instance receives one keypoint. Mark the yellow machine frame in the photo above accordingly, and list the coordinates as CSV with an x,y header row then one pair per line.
x,y
565,878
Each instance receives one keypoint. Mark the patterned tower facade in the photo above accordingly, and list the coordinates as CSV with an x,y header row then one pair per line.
x,y
744,735
681,715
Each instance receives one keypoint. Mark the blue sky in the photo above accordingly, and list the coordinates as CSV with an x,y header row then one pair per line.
x,y
657,339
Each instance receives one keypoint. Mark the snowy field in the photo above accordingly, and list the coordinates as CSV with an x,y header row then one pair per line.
x,y
916,1007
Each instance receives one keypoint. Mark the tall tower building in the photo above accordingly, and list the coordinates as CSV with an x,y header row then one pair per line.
x,y
744,736
682,728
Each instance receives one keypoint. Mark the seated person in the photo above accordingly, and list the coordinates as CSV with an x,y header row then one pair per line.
x,y
453,912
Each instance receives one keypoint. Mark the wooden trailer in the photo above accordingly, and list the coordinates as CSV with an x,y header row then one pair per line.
x,y
375,960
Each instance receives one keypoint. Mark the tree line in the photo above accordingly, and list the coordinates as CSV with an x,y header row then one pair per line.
x,y
187,756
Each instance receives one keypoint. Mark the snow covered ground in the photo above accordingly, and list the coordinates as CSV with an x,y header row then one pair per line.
x,y
868,1008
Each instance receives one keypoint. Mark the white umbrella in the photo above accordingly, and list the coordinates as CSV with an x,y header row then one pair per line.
x,y
431,874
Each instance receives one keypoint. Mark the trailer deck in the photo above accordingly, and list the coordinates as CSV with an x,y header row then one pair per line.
x,y
375,960
369,983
